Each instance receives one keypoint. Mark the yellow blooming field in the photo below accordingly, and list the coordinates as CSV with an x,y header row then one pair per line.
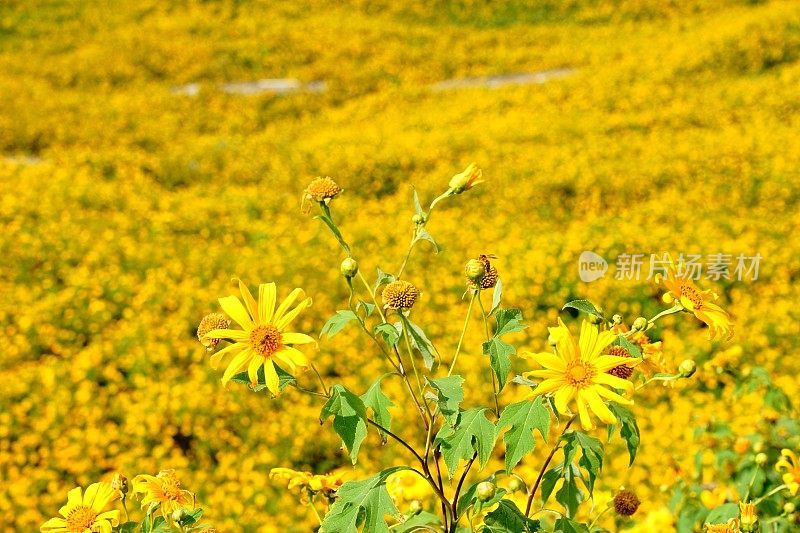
x,y
138,187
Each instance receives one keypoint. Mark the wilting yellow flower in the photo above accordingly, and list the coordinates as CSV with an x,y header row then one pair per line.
x,y
701,303
578,371
790,467
320,190
747,516
399,294
731,527
86,514
327,484
262,339
464,181
163,489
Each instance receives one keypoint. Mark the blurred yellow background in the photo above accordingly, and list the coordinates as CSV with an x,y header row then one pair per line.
x,y
136,181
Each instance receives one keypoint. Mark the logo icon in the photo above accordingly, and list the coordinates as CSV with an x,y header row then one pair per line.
x,y
591,266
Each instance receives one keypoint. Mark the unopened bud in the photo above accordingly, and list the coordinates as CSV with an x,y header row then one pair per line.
x,y
475,270
758,447
761,459
687,368
415,507
419,218
515,485
789,508
616,319
178,515
120,483
595,319
349,267
640,324
485,491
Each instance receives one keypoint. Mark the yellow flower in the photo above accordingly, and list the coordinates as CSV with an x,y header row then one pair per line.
x,y
790,467
165,490
320,190
578,371
327,484
294,477
86,514
690,297
731,527
748,516
464,181
652,361
716,496
262,339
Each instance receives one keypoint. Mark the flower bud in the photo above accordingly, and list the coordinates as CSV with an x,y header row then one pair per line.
x,y
475,271
415,507
419,218
667,298
748,519
178,515
626,502
788,508
687,368
349,267
761,459
758,447
515,485
616,320
640,324
595,319
485,491
464,181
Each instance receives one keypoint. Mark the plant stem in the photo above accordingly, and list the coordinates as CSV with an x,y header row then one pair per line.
x,y
770,493
454,509
463,333
491,370
672,310
316,513
546,463
319,377
596,518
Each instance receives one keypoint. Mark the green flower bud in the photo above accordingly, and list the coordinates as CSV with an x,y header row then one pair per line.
x,y
179,515
789,508
475,270
595,319
758,447
515,485
687,368
415,507
640,324
349,267
485,491
616,320
419,218
761,459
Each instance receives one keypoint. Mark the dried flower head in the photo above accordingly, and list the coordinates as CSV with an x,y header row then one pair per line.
x,y
120,483
626,502
621,371
399,294
321,190
209,323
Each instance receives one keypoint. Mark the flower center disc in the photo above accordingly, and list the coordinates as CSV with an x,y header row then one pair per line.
x,y
691,294
265,340
80,519
579,373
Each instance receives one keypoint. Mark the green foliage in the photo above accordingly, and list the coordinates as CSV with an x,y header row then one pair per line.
x,y
628,429
450,394
424,235
375,400
474,434
389,333
349,418
591,454
507,518
522,417
337,322
632,349
383,279
723,513
584,306
567,525
497,296
367,499
285,379
420,342
499,351
417,523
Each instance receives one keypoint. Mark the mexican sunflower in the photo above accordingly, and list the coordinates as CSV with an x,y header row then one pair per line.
x,y
790,467
579,371
86,514
683,290
165,490
263,339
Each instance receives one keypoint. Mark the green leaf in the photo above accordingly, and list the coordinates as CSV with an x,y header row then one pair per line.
x,y
379,403
566,525
591,458
449,395
549,481
474,433
634,350
337,322
417,523
479,506
570,494
284,379
349,418
366,306
367,498
335,230
424,235
497,296
499,353
585,306
723,513
523,417
420,342
508,321
629,429
389,333
417,205
383,279
507,518
128,527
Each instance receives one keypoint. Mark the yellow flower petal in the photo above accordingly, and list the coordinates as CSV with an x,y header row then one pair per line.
x,y
266,302
273,382
238,364
234,309
249,301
